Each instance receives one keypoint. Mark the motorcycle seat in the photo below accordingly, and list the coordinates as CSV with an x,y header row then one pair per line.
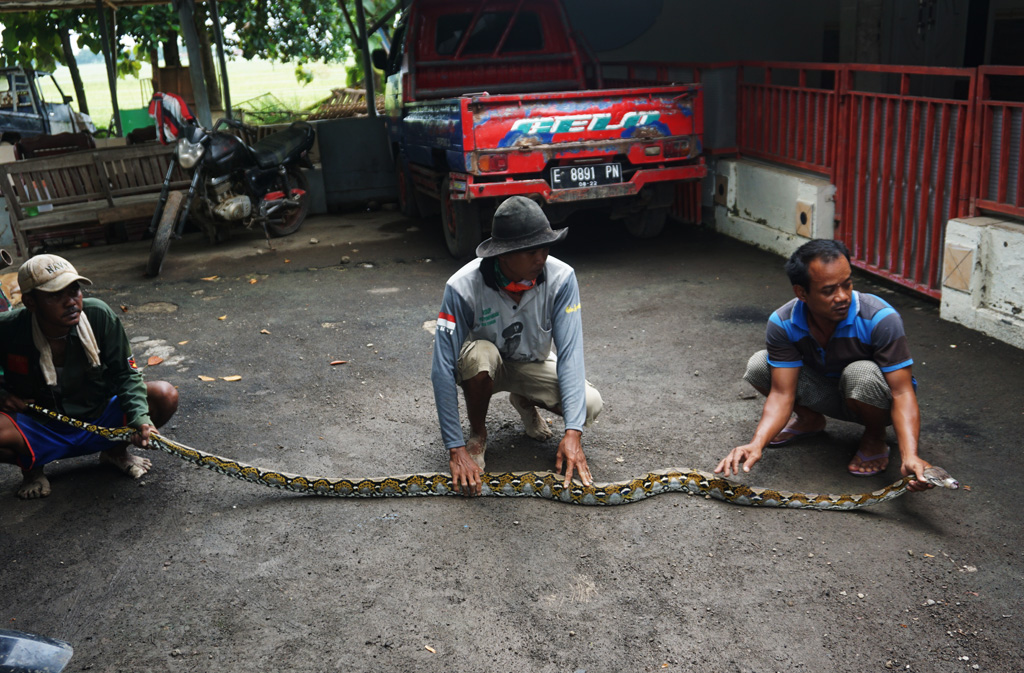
x,y
278,147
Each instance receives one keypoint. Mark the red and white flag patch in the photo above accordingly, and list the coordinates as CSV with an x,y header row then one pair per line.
x,y
446,322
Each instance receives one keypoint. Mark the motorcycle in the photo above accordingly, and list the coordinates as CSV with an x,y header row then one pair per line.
x,y
232,182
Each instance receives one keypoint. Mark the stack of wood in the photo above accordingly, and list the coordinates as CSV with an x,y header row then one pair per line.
x,y
343,103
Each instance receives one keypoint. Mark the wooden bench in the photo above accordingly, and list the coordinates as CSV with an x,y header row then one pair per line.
x,y
70,194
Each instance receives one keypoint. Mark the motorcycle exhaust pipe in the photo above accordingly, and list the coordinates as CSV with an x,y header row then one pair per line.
x,y
5,259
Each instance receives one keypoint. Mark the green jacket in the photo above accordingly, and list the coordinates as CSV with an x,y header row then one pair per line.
x,y
82,391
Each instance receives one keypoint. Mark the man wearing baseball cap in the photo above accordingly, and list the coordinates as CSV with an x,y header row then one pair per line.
x,y
500,317
70,355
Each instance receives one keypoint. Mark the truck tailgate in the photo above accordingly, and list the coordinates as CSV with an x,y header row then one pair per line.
x,y
574,121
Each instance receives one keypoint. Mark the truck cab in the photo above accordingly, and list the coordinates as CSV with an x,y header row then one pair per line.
x,y
25,113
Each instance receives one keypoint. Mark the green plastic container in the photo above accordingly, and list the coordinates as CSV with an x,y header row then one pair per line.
x,y
135,119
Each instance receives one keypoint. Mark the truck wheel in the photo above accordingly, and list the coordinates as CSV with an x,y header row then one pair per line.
x,y
461,223
648,223
408,204
164,231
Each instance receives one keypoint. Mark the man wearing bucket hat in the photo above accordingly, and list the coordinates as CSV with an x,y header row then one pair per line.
x,y
500,316
71,355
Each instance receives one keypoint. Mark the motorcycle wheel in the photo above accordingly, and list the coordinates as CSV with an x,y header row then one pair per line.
x,y
164,231
293,217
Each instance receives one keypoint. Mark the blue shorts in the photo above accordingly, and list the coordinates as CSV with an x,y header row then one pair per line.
x,y
48,441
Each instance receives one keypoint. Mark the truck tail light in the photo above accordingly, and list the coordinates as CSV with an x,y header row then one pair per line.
x,y
677,148
493,163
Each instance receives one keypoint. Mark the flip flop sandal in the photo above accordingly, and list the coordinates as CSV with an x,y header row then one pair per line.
x,y
868,459
794,436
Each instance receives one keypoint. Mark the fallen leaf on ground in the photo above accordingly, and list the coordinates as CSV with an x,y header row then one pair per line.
x,y
252,281
929,555
287,261
211,278
430,649
223,317
263,331
182,343
124,308
154,360
339,362
233,377
206,378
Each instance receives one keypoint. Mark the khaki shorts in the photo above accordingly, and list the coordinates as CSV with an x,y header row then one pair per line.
x,y
536,381
861,380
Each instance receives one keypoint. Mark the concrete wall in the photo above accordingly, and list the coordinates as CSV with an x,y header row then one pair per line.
x,y
774,208
983,277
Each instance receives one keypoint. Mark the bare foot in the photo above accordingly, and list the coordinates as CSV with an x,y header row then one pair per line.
x,y
35,485
535,424
133,466
476,446
872,457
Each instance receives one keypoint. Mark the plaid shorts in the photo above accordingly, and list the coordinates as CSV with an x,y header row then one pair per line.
x,y
861,380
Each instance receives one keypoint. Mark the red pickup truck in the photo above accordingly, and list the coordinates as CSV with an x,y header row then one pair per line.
x,y
490,98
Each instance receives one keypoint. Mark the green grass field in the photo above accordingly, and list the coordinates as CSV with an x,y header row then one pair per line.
x,y
246,79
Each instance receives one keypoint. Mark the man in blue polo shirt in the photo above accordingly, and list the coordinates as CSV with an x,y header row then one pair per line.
x,y
833,352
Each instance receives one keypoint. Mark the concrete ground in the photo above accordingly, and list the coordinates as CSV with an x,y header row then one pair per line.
x,y
188,570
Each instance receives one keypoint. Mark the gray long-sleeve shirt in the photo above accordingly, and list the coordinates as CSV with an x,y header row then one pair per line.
x,y
548,314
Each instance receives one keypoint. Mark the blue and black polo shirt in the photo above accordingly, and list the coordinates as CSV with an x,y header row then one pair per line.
x,y
872,330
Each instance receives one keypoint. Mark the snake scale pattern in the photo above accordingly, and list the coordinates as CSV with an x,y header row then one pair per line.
x,y
548,485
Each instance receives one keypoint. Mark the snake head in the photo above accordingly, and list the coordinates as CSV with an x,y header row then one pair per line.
x,y
936,476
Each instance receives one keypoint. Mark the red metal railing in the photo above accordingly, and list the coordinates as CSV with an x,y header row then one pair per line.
x,y
907,147
998,181
900,170
782,115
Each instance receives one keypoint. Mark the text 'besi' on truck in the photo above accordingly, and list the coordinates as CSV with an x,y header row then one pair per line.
x,y
486,99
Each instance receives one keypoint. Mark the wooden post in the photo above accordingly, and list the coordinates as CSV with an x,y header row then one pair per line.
x,y
218,34
195,60
108,58
364,46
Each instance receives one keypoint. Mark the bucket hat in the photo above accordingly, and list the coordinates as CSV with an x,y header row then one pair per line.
x,y
48,273
519,224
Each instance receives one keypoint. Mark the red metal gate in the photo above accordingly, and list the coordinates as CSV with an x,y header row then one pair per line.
x,y
902,169
907,147
998,183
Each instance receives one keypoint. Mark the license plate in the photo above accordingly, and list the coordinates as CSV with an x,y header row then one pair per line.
x,y
574,177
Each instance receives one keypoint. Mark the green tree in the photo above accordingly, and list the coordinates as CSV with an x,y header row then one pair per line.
x,y
284,31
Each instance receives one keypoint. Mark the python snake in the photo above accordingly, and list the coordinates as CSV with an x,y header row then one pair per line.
x,y
548,485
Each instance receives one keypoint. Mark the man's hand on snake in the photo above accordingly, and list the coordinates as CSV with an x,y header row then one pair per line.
x,y
570,452
748,454
915,467
141,436
465,472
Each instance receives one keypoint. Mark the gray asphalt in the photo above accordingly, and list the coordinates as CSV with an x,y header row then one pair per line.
x,y
188,570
